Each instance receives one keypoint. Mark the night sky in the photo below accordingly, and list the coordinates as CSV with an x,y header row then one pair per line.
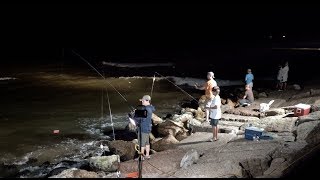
x,y
153,31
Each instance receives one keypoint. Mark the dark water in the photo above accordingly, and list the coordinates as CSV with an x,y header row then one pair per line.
x,y
71,97
43,99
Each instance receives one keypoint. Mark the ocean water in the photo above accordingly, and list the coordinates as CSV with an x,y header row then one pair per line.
x,y
37,100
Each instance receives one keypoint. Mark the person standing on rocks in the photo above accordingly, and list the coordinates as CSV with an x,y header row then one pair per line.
x,y
284,79
249,78
215,112
248,97
143,118
208,86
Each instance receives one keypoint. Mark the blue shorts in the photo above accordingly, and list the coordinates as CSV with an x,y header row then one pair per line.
x,y
214,122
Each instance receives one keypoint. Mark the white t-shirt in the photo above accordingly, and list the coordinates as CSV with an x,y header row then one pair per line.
x,y
216,113
285,71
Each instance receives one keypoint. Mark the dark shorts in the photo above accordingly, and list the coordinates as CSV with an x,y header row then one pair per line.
x,y
144,139
214,122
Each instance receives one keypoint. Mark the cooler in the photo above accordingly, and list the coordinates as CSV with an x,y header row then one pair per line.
x,y
301,109
250,132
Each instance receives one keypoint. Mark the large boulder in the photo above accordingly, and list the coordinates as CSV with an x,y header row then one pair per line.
x,y
277,166
202,102
277,123
105,163
183,118
314,108
226,107
164,143
314,116
170,127
255,166
76,173
189,158
125,149
156,119
186,110
230,103
182,135
309,132
194,122
290,150
199,115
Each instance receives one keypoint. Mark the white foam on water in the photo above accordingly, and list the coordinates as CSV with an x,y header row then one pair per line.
x,y
24,159
94,126
137,65
7,78
189,81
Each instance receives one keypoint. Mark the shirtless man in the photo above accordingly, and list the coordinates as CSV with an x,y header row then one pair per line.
x,y
208,91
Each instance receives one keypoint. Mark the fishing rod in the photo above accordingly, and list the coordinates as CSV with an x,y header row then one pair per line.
x,y
132,108
154,78
113,133
178,87
114,138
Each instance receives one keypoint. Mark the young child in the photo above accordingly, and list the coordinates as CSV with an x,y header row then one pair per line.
x,y
249,78
215,112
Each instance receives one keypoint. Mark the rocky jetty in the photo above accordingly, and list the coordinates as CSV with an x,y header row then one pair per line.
x,y
180,146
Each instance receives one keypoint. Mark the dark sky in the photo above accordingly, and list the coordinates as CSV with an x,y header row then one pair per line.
x,y
155,29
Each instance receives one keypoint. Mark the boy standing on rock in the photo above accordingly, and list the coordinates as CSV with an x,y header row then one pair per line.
x,y
144,122
215,112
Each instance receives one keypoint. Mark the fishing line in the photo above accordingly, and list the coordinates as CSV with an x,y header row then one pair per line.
x,y
154,78
178,87
132,108
114,138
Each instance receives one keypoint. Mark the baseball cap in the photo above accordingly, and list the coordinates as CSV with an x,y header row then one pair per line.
x,y
211,74
146,98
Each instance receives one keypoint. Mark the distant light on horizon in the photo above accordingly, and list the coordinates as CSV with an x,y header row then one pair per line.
x,y
283,36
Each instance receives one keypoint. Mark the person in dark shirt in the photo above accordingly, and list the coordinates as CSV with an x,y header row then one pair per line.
x,y
144,123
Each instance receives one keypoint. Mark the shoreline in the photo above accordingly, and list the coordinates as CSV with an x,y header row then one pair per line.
x,y
285,96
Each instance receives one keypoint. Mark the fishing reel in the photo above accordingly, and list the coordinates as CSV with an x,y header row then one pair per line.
x,y
139,112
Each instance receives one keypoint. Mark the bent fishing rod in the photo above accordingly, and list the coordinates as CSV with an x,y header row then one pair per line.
x,y
178,87
132,108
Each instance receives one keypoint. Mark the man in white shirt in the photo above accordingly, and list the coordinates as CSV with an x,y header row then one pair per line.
x,y
215,112
285,71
